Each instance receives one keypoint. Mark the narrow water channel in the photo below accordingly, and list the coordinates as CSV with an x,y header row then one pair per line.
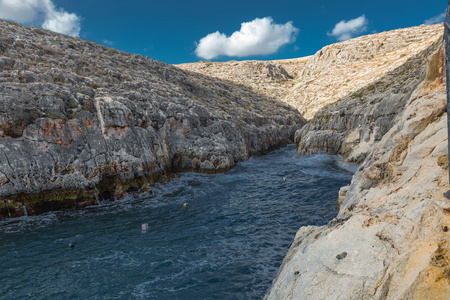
x,y
226,243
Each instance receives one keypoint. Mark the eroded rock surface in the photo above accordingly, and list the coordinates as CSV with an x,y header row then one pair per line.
x,y
76,115
390,239
265,77
342,68
353,125
334,72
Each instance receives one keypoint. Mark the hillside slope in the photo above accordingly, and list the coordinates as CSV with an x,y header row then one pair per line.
x,y
353,125
332,73
265,77
76,116
390,239
342,68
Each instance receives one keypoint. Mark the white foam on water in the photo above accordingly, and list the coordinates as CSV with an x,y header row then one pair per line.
x,y
325,165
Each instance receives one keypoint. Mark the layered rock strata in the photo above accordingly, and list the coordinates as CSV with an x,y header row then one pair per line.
x,y
391,237
76,116
264,77
332,73
342,68
353,125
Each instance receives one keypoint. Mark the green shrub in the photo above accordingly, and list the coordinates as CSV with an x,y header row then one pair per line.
x,y
53,115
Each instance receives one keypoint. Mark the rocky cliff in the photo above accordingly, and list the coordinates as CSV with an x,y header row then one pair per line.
x,y
390,239
264,77
342,68
332,73
76,116
353,125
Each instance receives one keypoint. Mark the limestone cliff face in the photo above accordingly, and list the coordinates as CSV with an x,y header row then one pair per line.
x,y
353,125
75,115
390,239
334,72
268,78
342,68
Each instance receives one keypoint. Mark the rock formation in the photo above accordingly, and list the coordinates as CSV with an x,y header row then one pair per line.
x,y
378,100
268,78
342,68
353,125
332,73
76,116
390,239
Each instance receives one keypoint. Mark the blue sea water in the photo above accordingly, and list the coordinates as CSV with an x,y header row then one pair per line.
x,y
226,243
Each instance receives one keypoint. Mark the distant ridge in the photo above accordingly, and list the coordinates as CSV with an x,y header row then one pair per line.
x,y
334,71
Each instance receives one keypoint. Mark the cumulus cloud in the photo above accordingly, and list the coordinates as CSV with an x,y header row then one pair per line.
x,y
258,37
19,11
436,19
41,12
345,30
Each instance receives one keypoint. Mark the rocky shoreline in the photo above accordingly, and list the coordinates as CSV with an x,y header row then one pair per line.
x,y
390,239
78,117
378,100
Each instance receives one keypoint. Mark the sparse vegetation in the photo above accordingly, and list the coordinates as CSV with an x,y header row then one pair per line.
x,y
94,86
72,105
53,115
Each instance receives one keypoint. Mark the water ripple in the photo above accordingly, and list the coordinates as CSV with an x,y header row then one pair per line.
x,y
227,243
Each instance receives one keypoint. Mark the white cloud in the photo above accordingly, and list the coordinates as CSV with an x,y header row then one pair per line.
x,y
63,22
436,19
107,42
345,30
43,12
19,11
258,37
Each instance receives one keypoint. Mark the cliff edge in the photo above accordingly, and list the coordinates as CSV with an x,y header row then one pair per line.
x,y
353,125
335,71
79,119
390,239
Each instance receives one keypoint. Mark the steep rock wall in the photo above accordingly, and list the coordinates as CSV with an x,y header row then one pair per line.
x,y
342,68
390,239
76,116
353,125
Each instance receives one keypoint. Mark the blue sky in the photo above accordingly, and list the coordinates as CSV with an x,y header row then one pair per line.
x,y
172,30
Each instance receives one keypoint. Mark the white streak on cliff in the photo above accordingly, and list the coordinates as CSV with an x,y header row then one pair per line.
x,y
99,112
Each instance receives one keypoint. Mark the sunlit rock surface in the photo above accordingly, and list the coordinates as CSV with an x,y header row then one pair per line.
x,y
390,239
76,115
333,72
